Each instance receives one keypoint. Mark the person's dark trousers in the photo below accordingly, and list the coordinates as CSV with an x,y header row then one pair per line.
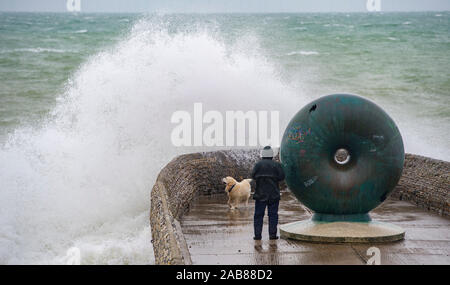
x,y
260,209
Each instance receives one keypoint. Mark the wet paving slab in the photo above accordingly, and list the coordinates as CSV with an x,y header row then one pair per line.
x,y
217,235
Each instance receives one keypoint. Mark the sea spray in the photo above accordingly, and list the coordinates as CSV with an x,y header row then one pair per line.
x,y
82,177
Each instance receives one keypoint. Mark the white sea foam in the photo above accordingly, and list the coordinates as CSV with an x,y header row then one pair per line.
x,y
35,50
302,52
83,177
299,28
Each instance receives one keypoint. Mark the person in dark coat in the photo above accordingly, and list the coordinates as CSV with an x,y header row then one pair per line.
x,y
267,174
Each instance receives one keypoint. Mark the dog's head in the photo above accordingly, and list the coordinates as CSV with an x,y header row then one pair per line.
x,y
229,181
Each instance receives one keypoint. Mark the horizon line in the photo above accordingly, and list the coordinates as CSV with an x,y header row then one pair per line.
x,y
249,12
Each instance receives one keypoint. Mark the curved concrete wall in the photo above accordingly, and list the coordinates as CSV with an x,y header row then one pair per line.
x,y
425,182
177,184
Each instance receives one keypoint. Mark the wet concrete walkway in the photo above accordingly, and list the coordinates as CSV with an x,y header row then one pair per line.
x,y
217,235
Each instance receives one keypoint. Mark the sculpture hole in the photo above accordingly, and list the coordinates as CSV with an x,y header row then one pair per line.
x,y
342,156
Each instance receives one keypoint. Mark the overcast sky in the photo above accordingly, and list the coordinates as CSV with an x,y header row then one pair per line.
x,y
211,6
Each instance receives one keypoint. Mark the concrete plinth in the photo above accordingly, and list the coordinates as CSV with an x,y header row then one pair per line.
x,y
356,232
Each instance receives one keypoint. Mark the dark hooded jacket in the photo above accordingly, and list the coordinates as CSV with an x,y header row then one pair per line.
x,y
267,174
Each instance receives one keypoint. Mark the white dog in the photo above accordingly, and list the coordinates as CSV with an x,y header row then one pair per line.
x,y
237,191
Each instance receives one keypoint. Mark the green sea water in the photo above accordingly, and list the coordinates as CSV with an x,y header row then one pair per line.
x,y
86,99
397,59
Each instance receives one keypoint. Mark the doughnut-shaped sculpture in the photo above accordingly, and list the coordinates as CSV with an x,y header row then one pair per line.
x,y
342,155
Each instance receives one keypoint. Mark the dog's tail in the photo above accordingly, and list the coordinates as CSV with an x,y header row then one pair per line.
x,y
249,180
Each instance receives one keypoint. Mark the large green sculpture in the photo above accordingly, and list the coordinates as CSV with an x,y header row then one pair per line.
x,y
342,155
